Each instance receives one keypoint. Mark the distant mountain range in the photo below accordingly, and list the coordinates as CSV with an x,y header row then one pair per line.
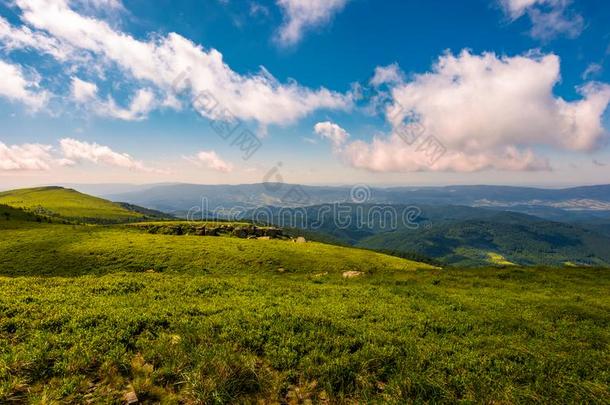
x,y
578,203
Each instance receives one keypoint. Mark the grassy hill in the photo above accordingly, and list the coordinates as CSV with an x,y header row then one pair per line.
x,y
43,249
90,313
69,204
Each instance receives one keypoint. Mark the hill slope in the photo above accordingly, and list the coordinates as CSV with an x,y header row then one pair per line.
x,y
89,313
12,214
69,204
79,250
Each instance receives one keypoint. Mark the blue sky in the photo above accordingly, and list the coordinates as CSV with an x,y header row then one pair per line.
x,y
336,91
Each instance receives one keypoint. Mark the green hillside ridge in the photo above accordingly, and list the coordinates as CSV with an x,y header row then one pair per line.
x,y
68,203
91,249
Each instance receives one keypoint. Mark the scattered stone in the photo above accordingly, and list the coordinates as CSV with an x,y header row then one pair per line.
x,y
130,397
264,238
281,270
300,239
321,274
150,271
352,274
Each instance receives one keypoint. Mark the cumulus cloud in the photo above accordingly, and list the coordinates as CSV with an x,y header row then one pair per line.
x,y
393,154
71,152
483,112
26,157
549,18
15,86
171,63
337,135
75,151
211,160
301,15
475,102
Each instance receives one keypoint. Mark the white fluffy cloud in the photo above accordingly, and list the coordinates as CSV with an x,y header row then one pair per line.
x,y
173,63
26,157
211,160
549,17
483,112
301,15
71,152
475,102
75,151
393,154
24,38
15,86
337,135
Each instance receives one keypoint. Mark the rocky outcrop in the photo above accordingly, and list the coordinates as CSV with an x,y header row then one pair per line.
x,y
239,231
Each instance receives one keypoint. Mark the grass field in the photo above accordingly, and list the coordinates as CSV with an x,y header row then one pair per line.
x,y
67,203
88,313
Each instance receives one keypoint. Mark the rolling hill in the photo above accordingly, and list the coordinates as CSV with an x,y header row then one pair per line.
x,y
72,205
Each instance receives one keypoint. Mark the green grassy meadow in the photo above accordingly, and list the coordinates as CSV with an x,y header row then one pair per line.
x,y
90,312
